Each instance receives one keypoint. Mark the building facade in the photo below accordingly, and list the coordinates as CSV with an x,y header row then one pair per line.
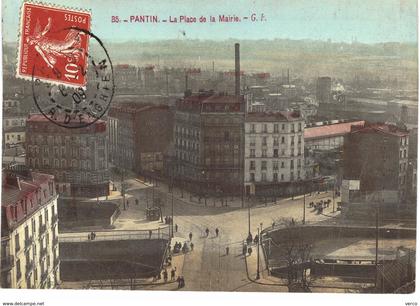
x,y
274,152
375,164
29,231
323,90
78,158
208,142
139,135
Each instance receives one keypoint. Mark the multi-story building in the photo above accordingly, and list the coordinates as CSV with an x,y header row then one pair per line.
x,y
323,90
139,135
375,164
78,158
209,142
327,137
274,152
29,230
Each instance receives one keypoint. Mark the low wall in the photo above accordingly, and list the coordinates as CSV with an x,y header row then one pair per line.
x,y
318,232
84,214
101,260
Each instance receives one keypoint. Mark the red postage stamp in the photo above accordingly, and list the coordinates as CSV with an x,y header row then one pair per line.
x,y
53,44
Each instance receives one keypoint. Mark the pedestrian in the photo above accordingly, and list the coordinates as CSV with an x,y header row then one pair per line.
x,y
179,281
249,239
244,249
173,274
227,250
166,220
150,234
207,232
256,239
217,232
192,246
165,276
137,202
182,282
176,228
89,237
190,235
273,224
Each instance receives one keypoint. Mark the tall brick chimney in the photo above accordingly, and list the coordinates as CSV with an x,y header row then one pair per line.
x,y
237,71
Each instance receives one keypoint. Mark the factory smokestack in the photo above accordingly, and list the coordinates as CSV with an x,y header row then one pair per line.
x,y
237,71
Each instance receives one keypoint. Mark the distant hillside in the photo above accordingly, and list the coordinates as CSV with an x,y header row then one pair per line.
x,y
305,58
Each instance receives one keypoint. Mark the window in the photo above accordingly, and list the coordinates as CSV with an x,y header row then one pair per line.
x,y
18,271
264,141
276,152
283,127
298,174
282,164
292,164
252,142
252,128
265,128
264,152
292,127
275,141
18,137
276,128
275,177
282,177
264,176
300,127
298,163
275,165
252,177
227,136
264,165
282,139
252,165
252,153
17,244
300,139
292,141
292,176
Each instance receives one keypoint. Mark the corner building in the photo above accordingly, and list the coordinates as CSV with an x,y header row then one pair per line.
x,y
29,231
77,157
274,153
209,143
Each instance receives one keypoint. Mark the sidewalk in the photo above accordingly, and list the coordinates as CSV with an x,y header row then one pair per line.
x,y
232,202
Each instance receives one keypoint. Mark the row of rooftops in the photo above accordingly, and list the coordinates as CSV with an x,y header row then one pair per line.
x,y
45,125
340,129
23,192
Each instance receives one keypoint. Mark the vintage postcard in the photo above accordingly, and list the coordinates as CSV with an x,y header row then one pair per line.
x,y
240,146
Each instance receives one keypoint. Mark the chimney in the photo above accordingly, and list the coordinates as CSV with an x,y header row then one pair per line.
x,y
237,71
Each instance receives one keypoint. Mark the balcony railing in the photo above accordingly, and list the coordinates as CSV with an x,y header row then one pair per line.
x,y
55,241
44,275
56,262
28,242
29,267
7,262
42,253
42,229
54,218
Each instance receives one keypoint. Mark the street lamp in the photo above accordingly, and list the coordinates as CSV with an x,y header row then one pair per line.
x,y
258,250
203,173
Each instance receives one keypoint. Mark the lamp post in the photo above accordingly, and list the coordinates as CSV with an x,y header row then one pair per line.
x,y
258,250
304,206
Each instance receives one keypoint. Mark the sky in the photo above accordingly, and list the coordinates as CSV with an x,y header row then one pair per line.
x,y
367,21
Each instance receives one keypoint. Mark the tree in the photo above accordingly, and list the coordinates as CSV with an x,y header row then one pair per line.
x,y
295,249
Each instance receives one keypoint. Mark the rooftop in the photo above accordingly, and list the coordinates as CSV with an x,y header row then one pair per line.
x,y
273,116
383,128
330,130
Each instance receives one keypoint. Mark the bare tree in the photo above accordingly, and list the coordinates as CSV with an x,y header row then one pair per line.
x,y
295,249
